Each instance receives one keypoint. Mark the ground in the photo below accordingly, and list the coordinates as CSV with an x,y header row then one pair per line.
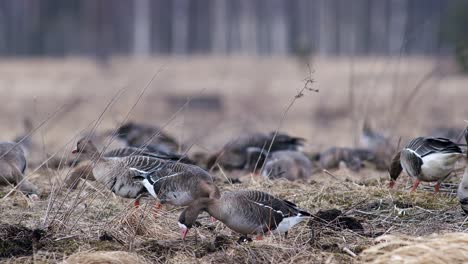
x,y
401,97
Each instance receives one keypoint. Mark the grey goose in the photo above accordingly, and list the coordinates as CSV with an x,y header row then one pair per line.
x,y
462,192
13,165
233,156
143,135
125,176
289,164
247,212
426,159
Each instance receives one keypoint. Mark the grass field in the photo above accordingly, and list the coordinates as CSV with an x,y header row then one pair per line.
x,y
402,98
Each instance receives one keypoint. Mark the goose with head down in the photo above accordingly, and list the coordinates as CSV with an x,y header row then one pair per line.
x,y
247,212
233,156
128,176
426,159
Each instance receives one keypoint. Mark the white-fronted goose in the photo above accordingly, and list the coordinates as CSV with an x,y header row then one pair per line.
x,y
288,164
143,135
176,182
426,159
246,212
12,167
462,192
233,156
84,170
377,143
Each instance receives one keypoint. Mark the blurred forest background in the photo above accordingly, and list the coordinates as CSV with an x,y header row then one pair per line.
x,y
102,28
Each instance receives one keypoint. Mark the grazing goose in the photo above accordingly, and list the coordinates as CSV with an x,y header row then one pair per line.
x,y
84,170
233,155
246,212
176,182
288,164
353,158
139,135
426,159
462,192
12,167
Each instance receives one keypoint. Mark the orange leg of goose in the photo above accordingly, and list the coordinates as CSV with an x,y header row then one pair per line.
x,y
259,238
212,219
415,185
437,188
157,208
136,203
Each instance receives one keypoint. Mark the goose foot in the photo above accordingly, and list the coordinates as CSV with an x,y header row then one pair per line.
x,y
136,203
213,220
437,188
415,185
259,238
157,207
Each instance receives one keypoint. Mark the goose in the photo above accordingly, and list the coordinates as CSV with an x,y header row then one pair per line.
x,y
288,164
462,192
128,176
13,164
247,212
353,158
84,170
426,159
233,156
139,135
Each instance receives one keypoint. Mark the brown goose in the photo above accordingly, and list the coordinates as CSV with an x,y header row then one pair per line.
x,y
426,159
246,212
233,156
288,164
462,192
143,135
12,167
177,182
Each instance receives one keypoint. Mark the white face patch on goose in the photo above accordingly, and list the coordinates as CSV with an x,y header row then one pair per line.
x,y
182,226
278,211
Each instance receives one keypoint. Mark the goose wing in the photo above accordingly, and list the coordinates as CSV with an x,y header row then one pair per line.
x,y
269,210
425,146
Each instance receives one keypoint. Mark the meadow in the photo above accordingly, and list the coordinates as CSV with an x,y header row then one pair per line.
x,y
204,102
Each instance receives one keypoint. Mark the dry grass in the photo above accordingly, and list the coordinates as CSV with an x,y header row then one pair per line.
x,y
255,94
446,248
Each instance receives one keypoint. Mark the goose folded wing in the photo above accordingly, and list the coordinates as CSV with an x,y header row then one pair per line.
x,y
285,208
437,145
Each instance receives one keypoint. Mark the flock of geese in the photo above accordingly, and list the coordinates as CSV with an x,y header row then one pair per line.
x,y
149,165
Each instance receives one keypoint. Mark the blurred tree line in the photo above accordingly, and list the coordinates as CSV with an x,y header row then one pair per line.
x,y
258,27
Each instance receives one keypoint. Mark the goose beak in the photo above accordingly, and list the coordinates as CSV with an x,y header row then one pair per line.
x,y
75,151
183,232
392,184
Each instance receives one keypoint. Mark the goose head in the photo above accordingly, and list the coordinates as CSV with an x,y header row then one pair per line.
x,y
86,148
189,216
395,169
